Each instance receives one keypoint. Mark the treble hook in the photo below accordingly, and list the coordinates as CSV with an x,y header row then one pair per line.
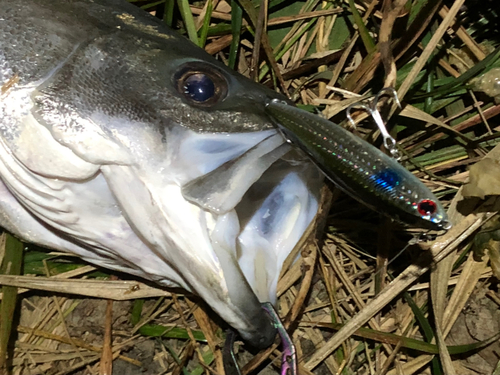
x,y
389,141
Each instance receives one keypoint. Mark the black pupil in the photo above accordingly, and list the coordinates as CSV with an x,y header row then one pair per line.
x,y
199,87
428,207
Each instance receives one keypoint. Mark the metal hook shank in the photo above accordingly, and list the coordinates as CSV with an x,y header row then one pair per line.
x,y
289,359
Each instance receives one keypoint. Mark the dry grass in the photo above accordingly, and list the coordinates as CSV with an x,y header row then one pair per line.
x,y
353,303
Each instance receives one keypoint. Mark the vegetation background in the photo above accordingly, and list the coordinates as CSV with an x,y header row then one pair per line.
x,y
366,297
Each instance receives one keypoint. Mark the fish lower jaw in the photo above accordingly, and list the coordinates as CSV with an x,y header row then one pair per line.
x,y
231,259
128,219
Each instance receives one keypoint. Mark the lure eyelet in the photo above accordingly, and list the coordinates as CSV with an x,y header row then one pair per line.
x,y
446,225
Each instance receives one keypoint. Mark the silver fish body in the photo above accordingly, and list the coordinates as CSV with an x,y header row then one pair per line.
x,y
125,144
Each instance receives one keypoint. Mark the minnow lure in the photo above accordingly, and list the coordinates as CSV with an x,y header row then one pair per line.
x,y
360,169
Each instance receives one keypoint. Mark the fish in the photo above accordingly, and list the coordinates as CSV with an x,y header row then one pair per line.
x,y
125,144
360,169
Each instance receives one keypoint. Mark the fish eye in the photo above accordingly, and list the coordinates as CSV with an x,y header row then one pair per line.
x,y
426,207
200,85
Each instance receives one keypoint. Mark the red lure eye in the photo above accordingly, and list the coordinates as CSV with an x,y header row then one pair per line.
x,y
426,207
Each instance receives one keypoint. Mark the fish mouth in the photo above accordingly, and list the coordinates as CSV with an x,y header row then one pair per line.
x,y
213,213
224,218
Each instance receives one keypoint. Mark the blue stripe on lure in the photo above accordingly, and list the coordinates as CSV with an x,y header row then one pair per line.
x,y
360,169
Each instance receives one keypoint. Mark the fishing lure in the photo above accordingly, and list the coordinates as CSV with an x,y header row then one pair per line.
x,y
361,170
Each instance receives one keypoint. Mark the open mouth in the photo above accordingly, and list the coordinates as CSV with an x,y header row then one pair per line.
x,y
215,214
267,197
226,222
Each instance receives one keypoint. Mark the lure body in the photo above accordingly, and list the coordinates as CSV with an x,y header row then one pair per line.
x,y
361,170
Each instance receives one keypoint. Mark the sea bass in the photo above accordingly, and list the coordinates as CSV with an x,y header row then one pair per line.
x,y
123,143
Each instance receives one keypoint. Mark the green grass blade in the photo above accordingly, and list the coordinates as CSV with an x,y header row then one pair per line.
x,y
426,328
236,23
363,31
135,316
279,55
465,77
168,17
188,19
206,24
35,262
152,5
409,343
208,358
157,330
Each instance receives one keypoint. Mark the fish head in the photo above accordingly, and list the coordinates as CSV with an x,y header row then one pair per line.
x,y
197,187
